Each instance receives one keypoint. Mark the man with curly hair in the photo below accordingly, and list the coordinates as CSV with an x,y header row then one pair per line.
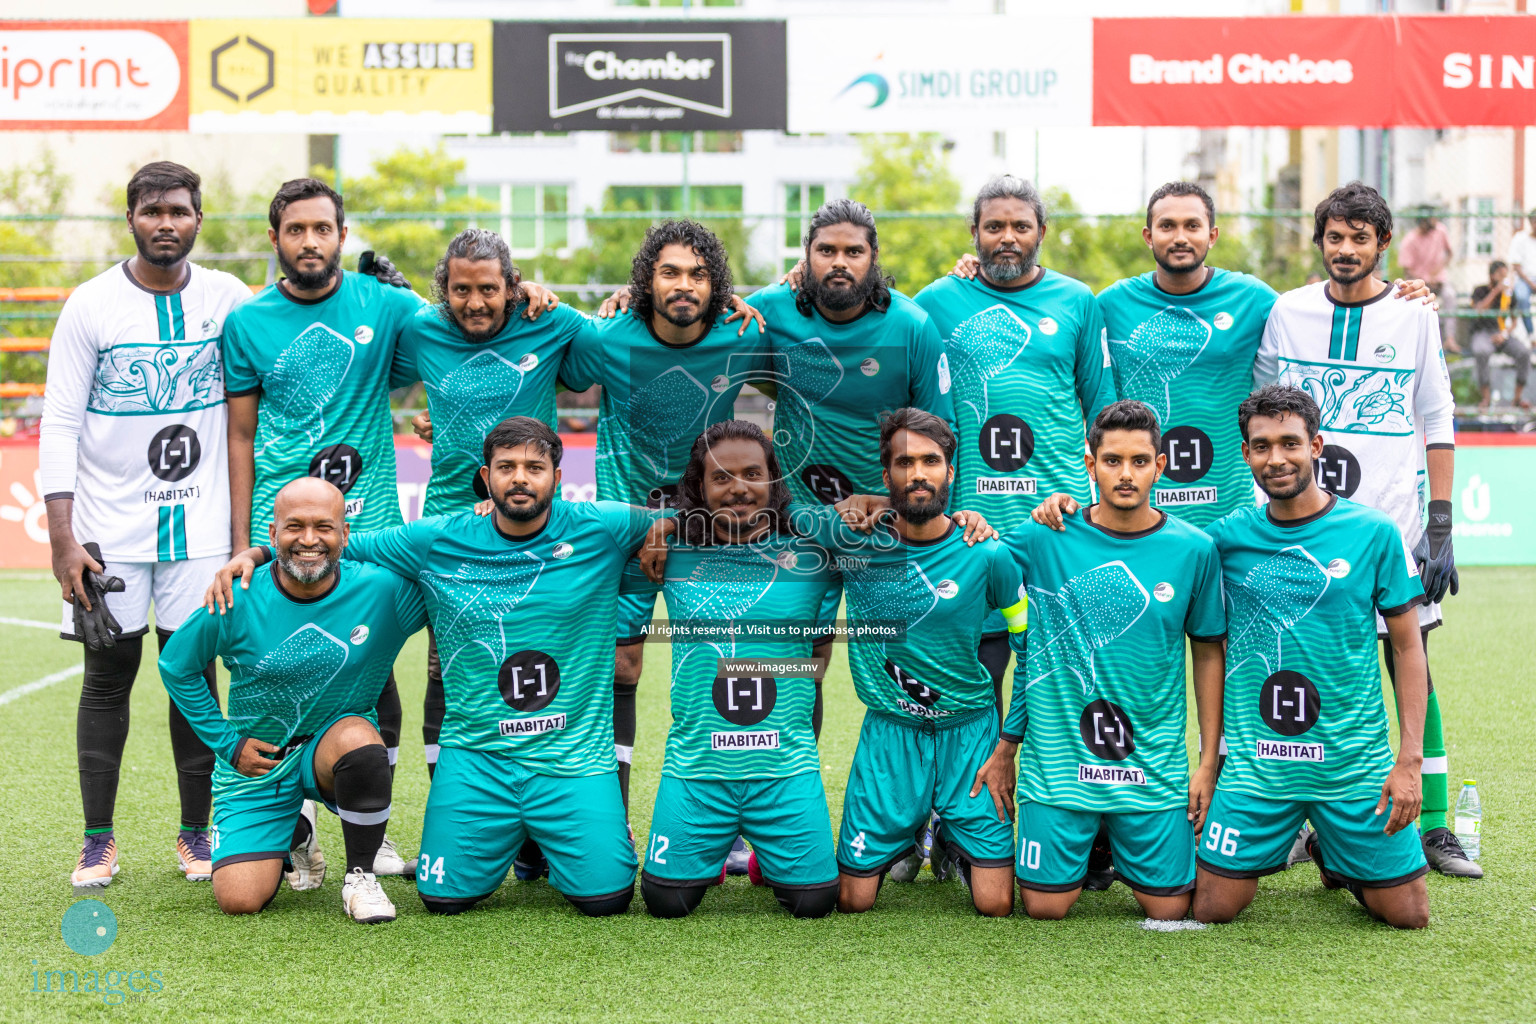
x,y
669,368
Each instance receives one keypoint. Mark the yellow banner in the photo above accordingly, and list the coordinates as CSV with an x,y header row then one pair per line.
x,y
326,75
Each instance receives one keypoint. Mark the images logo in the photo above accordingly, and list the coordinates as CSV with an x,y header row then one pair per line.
x,y
89,927
881,86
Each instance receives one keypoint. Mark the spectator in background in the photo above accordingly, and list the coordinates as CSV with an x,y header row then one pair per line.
x,y
1522,260
1494,330
1426,254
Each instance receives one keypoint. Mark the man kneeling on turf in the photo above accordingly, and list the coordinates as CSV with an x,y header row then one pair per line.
x,y
1112,596
741,755
308,647
1305,721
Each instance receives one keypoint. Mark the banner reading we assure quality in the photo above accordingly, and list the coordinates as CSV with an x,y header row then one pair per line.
x,y
340,74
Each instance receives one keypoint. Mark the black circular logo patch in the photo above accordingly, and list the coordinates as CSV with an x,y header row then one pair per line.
x,y
1289,703
1189,454
1337,471
919,691
829,485
744,700
1106,728
339,463
174,452
528,680
662,497
1006,443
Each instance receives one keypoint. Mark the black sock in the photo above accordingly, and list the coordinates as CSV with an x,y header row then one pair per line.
x,y
362,800
390,717
301,833
433,706
194,761
101,726
624,732
816,712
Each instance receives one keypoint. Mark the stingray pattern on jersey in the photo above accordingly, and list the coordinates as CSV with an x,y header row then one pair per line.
x,y
1090,611
274,694
1276,594
981,347
474,601
1158,350
899,592
472,398
307,375
722,586
666,409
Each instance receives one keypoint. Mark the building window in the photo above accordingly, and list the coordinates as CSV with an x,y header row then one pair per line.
x,y
1478,236
669,198
800,201
523,224
672,142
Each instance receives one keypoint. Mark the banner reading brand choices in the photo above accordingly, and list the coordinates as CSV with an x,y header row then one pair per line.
x,y
924,74
73,75
339,74
1427,71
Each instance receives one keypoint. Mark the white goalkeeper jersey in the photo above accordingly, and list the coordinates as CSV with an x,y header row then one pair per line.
x,y
1377,372
134,420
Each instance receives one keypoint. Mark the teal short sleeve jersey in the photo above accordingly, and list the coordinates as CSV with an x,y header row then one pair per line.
x,y
1190,358
474,385
1030,372
294,665
524,671
916,612
1303,708
657,399
755,602
323,370
1103,674
835,383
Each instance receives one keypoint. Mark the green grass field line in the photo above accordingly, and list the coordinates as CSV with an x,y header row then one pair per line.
x,y
1299,954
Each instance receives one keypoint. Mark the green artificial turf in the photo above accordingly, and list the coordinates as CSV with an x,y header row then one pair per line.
x,y
1300,953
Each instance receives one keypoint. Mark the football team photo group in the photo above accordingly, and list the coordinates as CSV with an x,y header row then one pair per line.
x,y
1135,588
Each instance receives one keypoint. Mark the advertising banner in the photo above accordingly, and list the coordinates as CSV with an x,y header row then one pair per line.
x,y
905,74
688,75
1465,71
340,74
1494,507
75,75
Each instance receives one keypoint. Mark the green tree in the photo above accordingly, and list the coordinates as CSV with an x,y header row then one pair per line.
x,y
910,173
1098,251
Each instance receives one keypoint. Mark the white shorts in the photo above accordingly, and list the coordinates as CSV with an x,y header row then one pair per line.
x,y
175,588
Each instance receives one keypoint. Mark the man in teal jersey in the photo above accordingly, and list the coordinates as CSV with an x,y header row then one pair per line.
x,y
917,599
742,597
526,748
1112,596
1305,577
307,646
669,367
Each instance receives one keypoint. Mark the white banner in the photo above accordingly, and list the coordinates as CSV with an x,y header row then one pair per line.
x,y
928,74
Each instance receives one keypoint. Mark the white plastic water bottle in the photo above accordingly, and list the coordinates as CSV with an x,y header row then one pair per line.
x,y
1469,820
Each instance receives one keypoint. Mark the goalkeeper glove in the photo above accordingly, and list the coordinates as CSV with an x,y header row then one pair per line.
x,y
97,628
1436,556
381,268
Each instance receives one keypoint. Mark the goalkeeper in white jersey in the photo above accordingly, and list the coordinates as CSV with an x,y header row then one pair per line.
x,y
136,482
1377,372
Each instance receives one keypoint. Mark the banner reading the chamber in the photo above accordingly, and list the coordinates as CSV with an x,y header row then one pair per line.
x,y
324,75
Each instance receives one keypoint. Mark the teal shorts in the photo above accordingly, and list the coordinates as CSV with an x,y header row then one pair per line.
x,y
1248,836
483,805
635,614
253,818
1154,850
786,821
900,772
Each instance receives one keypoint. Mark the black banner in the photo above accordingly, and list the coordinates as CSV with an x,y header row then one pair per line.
x,y
638,75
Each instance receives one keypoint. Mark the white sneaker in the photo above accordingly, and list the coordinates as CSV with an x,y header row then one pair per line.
x,y
308,863
389,862
364,898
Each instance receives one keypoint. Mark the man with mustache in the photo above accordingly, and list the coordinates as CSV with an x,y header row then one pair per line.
x,y
1307,578
308,646
917,600
1377,371
132,463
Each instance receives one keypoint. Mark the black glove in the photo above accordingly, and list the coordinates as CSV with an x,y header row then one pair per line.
x,y
1437,560
381,268
97,628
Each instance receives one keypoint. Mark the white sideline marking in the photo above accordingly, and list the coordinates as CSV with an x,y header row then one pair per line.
x,y
40,684
1185,925
32,623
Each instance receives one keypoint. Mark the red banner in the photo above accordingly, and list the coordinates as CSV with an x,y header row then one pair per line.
x,y
1315,71
73,75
